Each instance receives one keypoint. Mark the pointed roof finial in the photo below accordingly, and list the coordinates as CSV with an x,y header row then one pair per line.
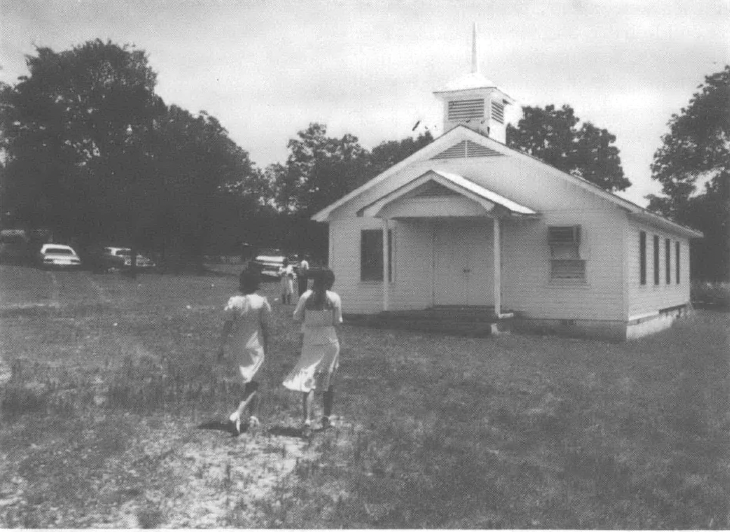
x,y
474,56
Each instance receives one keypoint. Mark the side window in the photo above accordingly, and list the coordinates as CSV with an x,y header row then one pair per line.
x,y
656,259
642,257
565,259
668,260
371,255
676,247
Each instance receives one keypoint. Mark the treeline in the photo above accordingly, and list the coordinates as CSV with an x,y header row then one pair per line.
x,y
693,167
91,151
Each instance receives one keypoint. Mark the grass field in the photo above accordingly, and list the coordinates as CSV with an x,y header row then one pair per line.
x,y
104,381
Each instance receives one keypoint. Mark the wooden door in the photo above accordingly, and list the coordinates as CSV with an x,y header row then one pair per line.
x,y
463,263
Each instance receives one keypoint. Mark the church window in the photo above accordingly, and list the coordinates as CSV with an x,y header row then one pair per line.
x,y
371,255
565,261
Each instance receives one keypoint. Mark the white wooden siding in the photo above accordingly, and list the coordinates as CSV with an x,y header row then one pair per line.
x,y
456,205
649,298
358,297
609,244
526,284
510,177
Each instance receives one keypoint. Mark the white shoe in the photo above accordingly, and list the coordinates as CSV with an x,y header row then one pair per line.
x,y
253,421
235,418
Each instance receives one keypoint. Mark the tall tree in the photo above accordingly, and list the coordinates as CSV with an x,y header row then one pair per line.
x,y
552,135
318,171
697,150
200,167
95,154
391,152
72,131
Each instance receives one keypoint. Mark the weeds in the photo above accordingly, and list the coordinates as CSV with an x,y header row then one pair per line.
x,y
508,432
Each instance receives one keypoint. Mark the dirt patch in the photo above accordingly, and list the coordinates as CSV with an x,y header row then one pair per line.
x,y
203,476
171,475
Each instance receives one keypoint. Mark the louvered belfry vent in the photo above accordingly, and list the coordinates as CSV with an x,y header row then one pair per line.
x,y
466,109
498,112
467,148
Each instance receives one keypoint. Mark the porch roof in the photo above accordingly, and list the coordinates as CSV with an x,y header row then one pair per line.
x,y
488,199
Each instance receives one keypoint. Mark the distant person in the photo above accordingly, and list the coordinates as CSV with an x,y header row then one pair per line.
x,y
247,318
303,271
286,272
320,311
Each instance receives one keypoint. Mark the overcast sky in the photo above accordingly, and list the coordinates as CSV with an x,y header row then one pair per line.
x,y
266,69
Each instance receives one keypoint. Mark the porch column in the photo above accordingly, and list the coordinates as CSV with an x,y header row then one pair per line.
x,y
497,268
386,266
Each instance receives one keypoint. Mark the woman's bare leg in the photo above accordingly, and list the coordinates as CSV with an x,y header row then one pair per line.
x,y
307,403
328,399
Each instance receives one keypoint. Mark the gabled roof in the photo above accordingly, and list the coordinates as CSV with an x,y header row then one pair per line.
x,y
485,197
472,80
463,133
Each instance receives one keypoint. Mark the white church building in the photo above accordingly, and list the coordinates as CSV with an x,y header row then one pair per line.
x,y
467,222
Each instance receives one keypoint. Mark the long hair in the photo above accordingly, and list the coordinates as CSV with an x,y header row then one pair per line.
x,y
249,281
323,279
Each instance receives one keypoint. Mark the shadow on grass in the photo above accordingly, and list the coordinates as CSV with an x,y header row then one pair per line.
x,y
224,426
289,432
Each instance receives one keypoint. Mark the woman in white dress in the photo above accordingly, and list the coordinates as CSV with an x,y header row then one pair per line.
x,y
246,335
320,311
286,273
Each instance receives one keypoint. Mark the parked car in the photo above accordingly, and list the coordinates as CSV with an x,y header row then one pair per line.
x,y
58,255
100,260
268,262
126,255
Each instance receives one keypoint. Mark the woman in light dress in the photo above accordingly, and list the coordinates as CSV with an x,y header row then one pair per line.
x,y
320,312
302,270
246,336
286,273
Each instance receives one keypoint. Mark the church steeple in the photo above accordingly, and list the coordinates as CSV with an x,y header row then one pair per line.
x,y
475,102
474,55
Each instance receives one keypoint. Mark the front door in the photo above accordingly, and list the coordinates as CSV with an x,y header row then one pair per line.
x,y
463,264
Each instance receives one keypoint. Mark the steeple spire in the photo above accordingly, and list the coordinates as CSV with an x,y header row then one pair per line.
x,y
474,55
475,102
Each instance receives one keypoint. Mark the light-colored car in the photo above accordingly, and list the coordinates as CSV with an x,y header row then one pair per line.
x,y
269,261
96,259
126,254
58,255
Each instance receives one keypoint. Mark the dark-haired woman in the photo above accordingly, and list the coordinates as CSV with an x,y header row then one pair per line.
x,y
320,312
246,334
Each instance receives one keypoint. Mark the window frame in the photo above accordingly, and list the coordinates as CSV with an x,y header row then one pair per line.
x,y
568,251
668,260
